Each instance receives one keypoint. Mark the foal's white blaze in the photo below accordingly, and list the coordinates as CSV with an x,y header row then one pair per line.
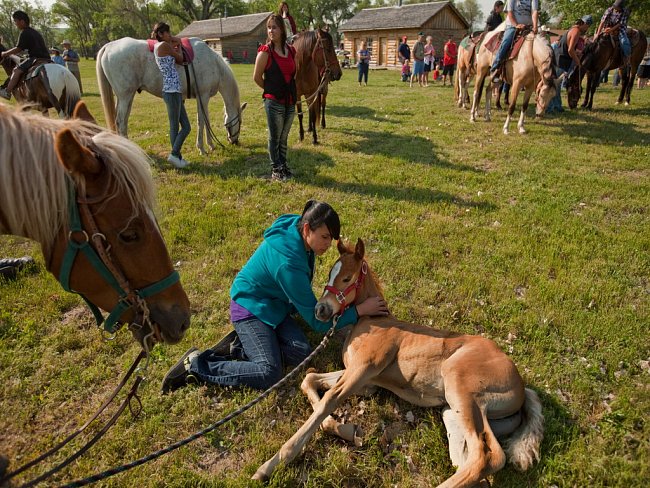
x,y
334,272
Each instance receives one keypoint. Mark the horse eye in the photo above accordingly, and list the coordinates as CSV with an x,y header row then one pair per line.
x,y
129,236
346,280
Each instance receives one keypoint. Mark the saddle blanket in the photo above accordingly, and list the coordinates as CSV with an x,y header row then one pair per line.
x,y
495,41
188,51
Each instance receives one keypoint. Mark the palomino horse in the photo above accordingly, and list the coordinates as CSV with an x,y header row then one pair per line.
x,y
482,393
127,65
602,54
51,86
465,69
86,196
531,69
316,66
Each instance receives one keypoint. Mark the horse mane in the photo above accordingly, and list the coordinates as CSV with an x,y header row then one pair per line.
x,y
304,45
33,188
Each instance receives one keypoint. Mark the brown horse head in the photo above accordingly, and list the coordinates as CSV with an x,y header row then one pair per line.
x,y
87,196
324,55
345,280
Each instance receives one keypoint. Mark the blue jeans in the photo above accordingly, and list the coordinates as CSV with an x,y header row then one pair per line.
x,y
267,350
626,47
177,116
279,118
506,42
363,71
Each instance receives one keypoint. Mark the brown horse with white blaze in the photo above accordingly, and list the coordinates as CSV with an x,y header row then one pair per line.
x,y
87,196
484,398
316,66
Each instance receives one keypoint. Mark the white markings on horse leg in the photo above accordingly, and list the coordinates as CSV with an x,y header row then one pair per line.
x,y
456,437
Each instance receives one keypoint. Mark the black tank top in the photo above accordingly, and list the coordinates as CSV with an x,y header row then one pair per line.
x,y
274,83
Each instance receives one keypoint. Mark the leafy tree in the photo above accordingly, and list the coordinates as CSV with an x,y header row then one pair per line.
x,y
84,19
40,19
187,11
570,10
472,12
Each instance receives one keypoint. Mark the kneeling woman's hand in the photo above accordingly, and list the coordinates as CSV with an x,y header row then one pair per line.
x,y
373,306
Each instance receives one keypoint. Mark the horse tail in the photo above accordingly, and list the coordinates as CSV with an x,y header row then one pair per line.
x,y
522,446
106,93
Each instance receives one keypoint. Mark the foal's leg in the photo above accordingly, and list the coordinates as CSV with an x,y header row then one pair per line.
x,y
310,386
348,384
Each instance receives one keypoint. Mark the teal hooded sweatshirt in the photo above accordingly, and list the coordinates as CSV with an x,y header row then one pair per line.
x,y
276,280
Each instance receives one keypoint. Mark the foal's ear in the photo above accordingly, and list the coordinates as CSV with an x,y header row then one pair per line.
x,y
81,112
341,247
73,156
359,250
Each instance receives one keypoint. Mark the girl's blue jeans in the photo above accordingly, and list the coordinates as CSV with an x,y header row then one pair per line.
x,y
279,118
267,350
177,117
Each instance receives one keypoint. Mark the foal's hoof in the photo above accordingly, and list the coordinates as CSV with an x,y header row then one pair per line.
x,y
260,477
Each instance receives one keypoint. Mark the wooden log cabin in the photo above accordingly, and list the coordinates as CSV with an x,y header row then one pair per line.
x,y
383,28
234,38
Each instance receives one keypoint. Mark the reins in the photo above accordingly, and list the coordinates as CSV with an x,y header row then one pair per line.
x,y
203,111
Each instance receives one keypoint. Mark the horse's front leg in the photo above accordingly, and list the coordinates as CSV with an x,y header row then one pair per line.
x,y
524,107
315,382
348,384
513,93
476,99
203,121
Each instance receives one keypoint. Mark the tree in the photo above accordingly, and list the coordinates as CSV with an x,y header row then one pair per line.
x,y
40,19
187,11
472,12
567,11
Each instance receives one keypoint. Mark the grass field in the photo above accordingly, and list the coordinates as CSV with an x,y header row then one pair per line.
x,y
540,242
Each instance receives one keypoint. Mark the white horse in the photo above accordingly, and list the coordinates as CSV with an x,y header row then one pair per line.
x,y
127,65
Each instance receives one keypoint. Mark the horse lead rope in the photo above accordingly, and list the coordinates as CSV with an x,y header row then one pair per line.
x,y
125,467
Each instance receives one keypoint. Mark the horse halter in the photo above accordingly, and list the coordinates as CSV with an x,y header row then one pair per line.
x,y
228,125
340,295
319,45
99,257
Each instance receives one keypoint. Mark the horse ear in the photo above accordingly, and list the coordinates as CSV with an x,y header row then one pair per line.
x,y
341,247
359,250
73,156
243,106
81,112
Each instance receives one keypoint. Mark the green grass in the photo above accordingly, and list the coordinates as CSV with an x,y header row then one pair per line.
x,y
539,242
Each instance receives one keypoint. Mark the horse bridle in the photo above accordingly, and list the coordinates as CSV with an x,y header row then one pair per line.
x,y
100,258
319,45
235,120
341,295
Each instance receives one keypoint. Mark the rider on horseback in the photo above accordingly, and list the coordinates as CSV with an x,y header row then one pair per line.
x,y
29,40
521,13
614,22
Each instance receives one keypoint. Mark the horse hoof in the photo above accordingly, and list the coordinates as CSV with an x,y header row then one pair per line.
x,y
627,104
505,131
618,102
522,130
260,477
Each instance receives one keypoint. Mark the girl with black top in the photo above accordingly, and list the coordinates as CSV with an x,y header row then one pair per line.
x,y
275,71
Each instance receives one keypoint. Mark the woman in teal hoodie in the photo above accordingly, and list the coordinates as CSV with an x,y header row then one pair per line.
x,y
274,284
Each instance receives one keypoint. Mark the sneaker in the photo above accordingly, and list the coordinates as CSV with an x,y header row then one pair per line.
x,y
230,348
287,172
176,161
179,375
5,94
278,175
10,267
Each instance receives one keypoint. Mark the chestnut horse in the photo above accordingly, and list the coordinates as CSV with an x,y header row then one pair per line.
x,y
86,195
50,86
483,395
604,53
316,65
531,69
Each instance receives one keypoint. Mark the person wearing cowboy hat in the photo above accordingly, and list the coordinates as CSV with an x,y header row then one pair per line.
x,y
55,55
71,59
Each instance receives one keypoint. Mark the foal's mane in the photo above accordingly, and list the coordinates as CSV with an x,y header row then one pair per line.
x,y
33,189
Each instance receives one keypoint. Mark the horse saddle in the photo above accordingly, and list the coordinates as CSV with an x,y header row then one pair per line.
x,y
186,46
495,41
36,67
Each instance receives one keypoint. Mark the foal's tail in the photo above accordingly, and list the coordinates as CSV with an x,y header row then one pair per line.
x,y
106,93
522,446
